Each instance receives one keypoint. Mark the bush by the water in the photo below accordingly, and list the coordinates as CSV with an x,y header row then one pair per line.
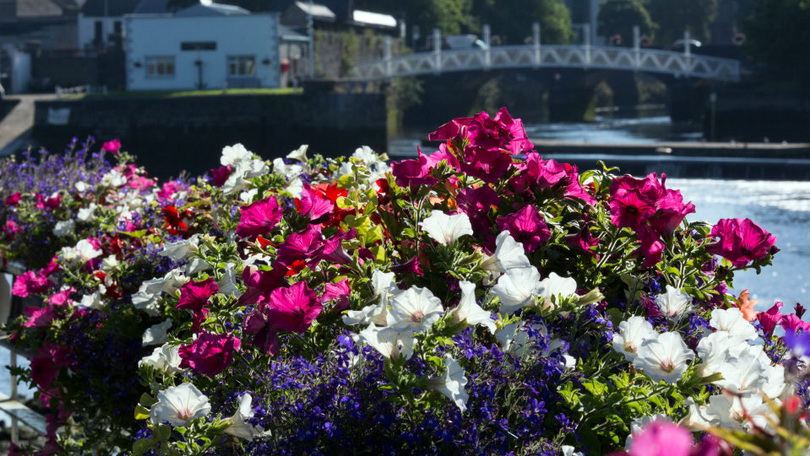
x,y
475,300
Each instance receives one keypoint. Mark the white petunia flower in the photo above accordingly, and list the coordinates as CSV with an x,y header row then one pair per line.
x,y
674,304
469,311
180,405
509,253
555,286
751,370
664,357
64,228
227,284
568,450
289,171
517,288
716,348
446,229
238,425
113,178
81,186
156,334
632,333
452,383
366,155
165,358
234,155
182,249
696,419
390,342
415,309
295,188
92,301
732,320
299,154
376,314
738,411
513,339
86,213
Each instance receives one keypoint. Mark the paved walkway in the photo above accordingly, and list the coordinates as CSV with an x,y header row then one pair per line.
x,y
15,128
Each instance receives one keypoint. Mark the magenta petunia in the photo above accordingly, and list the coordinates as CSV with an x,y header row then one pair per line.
x,y
31,283
741,241
259,218
220,175
294,308
13,199
194,295
770,318
291,309
312,205
305,246
111,146
338,292
527,227
210,354
477,204
661,438
489,165
413,173
39,317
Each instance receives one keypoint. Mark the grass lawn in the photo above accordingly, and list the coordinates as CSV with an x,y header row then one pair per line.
x,y
184,93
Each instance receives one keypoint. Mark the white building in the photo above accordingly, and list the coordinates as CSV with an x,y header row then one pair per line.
x,y
206,46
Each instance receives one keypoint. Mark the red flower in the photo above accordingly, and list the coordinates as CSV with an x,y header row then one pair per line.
x,y
210,354
175,223
741,241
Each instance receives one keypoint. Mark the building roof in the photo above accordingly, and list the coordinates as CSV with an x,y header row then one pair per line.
x,y
152,7
212,9
316,10
370,18
38,8
288,34
102,8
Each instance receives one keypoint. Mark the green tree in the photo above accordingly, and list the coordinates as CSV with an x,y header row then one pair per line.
x,y
777,32
676,17
618,17
512,19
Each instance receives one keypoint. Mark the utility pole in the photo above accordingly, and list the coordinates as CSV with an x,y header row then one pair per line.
x,y
311,34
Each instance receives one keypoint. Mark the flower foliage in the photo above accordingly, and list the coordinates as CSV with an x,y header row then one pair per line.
x,y
475,300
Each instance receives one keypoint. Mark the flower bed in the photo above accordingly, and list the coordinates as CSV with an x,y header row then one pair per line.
x,y
476,300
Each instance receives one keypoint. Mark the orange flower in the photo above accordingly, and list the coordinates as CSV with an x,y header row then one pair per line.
x,y
746,306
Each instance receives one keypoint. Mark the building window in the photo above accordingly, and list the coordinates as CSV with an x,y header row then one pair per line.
x,y
160,67
241,65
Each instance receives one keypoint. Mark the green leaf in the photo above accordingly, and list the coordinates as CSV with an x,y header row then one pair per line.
x,y
162,432
141,412
595,387
142,446
146,400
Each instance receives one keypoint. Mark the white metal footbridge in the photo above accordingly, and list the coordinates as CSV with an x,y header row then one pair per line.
x,y
537,55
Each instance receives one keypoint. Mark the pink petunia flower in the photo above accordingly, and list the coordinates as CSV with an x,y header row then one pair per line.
x,y
741,241
413,173
770,318
259,218
312,205
210,354
662,438
527,227
194,295
113,146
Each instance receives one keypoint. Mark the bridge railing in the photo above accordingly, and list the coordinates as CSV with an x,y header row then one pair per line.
x,y
563,56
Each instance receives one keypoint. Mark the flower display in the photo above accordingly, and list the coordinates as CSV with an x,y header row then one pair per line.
x,y
477,299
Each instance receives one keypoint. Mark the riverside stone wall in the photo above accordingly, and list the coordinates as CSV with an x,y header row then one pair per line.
x,y
173,134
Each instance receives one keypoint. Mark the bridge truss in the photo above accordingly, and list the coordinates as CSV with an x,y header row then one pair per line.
x,y
680,64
